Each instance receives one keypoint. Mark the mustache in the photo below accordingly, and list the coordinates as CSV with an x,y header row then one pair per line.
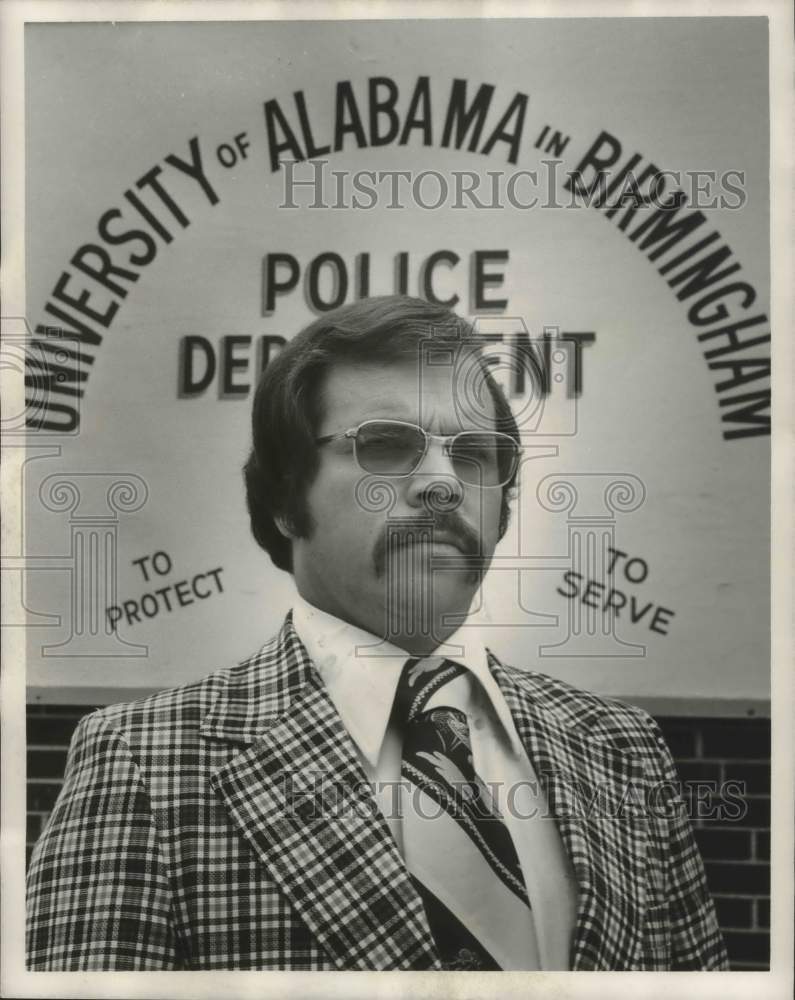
x,y
444,526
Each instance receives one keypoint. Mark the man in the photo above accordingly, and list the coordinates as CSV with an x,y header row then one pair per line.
x,y
373,789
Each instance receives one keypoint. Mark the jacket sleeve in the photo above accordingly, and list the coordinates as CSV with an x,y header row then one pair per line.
x,y
98,894
696,940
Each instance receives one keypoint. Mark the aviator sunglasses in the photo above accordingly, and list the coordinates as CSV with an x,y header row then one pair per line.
x,y
396,448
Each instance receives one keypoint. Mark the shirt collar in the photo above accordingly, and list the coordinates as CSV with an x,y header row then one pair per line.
x,y
361,673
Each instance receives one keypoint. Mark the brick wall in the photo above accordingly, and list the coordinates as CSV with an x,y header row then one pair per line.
x,y
708,753
736,851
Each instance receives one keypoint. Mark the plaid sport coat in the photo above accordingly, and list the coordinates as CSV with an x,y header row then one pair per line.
x,y
189,834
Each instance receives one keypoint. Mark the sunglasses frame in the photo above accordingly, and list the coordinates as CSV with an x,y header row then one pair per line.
x,y
445,439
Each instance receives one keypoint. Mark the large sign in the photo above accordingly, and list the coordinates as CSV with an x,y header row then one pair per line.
x,y
592,194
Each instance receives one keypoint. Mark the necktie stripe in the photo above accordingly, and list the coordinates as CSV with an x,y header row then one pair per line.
x,y
425,686
461,850
450,866
458,812
441,763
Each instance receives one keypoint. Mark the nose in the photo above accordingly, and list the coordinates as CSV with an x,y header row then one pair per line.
x,y
434,485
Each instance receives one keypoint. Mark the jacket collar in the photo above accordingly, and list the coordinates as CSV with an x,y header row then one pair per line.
x,y
339,865
591,787
261,689
299,796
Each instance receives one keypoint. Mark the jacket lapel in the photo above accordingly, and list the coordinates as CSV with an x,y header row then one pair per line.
x,y
592,788
299,796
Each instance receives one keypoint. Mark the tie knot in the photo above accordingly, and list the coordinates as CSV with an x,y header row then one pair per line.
x,y
419,680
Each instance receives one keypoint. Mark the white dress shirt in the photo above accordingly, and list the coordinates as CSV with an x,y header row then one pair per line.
x,y
361,674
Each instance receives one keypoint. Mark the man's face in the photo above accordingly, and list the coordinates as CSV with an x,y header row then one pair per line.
x,y
347,567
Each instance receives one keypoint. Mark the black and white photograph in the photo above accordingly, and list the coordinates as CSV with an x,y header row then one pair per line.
x,y
396,499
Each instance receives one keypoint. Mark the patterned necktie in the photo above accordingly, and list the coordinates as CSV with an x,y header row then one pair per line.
x,y
456,845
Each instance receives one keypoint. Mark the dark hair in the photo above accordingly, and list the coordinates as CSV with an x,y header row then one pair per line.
x,y
286,410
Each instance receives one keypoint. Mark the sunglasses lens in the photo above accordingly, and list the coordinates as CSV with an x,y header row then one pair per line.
x,y
389,449
481,458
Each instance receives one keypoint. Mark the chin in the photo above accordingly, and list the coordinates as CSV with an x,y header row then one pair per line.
x,y
428,596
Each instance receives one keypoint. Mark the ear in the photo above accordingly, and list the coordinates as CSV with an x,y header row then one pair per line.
x,y
284,527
